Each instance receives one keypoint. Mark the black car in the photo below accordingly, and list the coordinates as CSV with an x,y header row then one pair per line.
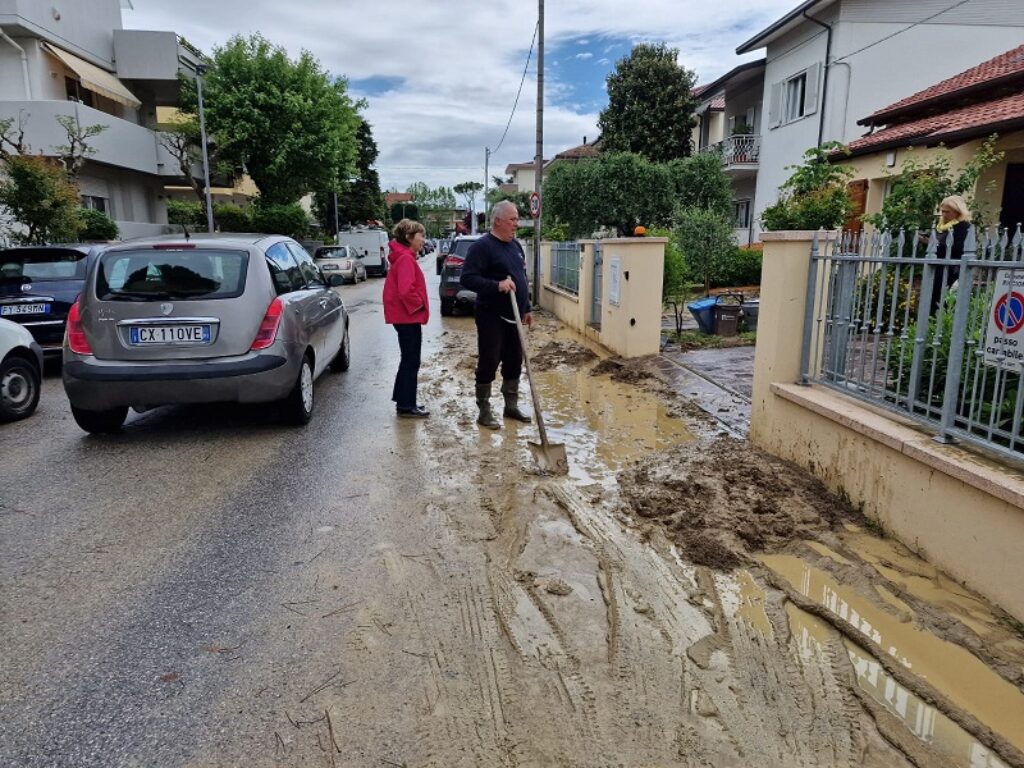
x,y
452,293
38,285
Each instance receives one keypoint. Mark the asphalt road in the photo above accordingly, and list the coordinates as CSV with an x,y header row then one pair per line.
x,y
151,582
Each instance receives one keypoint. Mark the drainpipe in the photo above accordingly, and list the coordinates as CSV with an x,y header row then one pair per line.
x,y
824,80
24,63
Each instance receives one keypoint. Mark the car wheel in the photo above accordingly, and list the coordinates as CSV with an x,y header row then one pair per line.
x,y
100,422
298,405
343,359
19,389
447,307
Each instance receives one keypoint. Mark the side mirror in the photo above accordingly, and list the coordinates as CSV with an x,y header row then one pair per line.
x,y
335,280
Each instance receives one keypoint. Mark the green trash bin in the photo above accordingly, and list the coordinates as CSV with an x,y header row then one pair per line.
x,y
727,319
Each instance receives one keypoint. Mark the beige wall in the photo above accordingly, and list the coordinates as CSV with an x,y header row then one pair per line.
x,y
990,186
963,514
630,328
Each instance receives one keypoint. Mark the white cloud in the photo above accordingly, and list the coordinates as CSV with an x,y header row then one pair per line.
x,y
459,69
603,61
583,42
584,55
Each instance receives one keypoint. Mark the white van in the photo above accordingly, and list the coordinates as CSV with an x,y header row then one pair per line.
x,y
370,246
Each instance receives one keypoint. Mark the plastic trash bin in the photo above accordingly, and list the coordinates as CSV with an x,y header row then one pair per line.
x,y
727,319
703,311
750,309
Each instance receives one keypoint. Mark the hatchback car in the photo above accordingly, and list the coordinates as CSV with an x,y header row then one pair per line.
x,y
21,372
452,293
340,260
213,319
38,285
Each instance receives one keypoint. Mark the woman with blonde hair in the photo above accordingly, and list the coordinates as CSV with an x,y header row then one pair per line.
x,y
951,231
407,308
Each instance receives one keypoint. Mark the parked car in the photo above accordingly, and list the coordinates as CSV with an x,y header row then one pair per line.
x,y
451,291
241,318
370,245
21,372
38,285
442,252
340,260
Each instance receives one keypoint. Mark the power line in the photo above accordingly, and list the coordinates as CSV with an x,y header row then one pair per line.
x,y
523,80
901,31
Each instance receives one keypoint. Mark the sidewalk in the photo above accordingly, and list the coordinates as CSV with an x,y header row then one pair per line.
x,y
719,380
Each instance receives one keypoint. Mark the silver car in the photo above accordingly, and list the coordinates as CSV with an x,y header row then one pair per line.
x,y
246,319
340,260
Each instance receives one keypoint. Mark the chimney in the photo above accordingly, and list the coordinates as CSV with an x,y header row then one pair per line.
x,y
584,141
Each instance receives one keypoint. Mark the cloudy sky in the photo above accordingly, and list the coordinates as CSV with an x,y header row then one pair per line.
x,y
441,76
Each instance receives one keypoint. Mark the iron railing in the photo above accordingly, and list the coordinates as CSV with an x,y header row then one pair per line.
x,y
896,320
740,149
565,266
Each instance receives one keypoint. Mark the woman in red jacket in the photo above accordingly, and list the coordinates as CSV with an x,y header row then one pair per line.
x,y
406,307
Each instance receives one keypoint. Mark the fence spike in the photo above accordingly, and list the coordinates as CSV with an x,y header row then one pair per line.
x,y
933,244
970,243
901,242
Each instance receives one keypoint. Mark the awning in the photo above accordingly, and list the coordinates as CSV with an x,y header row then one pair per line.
x,y
95,79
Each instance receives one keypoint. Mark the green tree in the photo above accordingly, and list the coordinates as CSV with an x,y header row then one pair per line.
x,y
74,154
467,191
617,190
705,238
401,211
359,198
650,109
280,219
675,283
815,196
701,182
915,193
190,213
433,206
37,194
287,122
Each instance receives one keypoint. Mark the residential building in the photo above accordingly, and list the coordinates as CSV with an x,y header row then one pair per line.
x,y
582,151
75,59
729,123
524,175
709,118
958,113
830,62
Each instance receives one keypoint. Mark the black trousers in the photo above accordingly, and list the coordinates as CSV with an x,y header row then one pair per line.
x,y
497,342
410,341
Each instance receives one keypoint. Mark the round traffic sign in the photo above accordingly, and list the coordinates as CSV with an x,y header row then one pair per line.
x,y
1008,312
534,204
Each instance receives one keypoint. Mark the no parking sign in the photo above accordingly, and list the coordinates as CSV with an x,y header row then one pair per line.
x,y
1004,341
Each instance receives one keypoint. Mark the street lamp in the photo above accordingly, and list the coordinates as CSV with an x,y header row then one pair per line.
x,y
200,71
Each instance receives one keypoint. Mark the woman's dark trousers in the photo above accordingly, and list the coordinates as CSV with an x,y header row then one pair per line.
x,y
410,340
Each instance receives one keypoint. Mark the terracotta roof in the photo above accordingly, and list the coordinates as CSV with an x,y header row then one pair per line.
x,y
582,151
1008,66
975,120
695,92
397,197
717,104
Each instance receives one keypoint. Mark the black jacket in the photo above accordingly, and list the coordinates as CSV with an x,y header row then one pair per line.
x,y
488,262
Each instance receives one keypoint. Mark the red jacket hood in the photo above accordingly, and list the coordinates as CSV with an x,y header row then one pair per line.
x,y
399,251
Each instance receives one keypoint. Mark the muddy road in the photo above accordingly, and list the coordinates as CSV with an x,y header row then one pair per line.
x,y
373,592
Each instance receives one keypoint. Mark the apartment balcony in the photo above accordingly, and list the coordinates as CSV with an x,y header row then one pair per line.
x,y
740,153
122,145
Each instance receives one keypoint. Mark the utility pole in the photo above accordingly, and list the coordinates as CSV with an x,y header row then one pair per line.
x,y
200,71
539,160
336,228
487,160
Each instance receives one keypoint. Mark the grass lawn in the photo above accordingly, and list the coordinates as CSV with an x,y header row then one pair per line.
x,y
688,340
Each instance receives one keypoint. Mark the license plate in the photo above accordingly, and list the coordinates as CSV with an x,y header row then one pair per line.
x,y
24,309
169,334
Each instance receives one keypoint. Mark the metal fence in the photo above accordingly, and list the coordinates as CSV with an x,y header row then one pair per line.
x,y
565,266
896,320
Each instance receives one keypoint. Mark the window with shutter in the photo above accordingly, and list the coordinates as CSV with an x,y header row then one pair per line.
x,y
811,91
775,106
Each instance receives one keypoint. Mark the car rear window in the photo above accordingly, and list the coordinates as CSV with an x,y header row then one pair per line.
x,y
339,252
152,274
42,264
461,248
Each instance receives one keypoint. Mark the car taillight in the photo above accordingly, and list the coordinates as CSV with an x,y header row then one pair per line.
x,y
268,328
77,342
454,261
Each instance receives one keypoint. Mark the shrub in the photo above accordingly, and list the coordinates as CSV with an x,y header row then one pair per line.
x,y
741,267
185,213
814,196
38,195
233,218
705,238
97,225
288,219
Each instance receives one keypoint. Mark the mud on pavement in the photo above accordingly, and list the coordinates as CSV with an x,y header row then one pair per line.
x,y
671,602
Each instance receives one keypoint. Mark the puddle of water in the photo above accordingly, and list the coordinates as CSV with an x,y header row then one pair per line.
x,y
922,580
926,723
741,596
821,549
950,669
604,424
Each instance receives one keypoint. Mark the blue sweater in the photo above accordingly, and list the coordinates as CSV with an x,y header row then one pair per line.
x,y
490,261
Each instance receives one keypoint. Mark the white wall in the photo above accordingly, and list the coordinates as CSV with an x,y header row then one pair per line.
x,y
84,27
